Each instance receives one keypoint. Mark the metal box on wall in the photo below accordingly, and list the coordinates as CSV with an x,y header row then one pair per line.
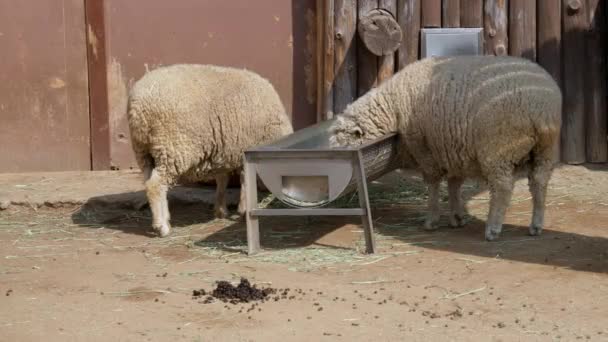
x,y
451,42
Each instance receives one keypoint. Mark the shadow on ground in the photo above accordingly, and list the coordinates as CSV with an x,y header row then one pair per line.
x,y
399,203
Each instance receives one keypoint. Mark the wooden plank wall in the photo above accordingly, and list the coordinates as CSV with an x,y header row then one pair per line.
x,y
566,37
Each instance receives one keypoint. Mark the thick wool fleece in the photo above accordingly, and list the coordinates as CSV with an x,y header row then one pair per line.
x,y
191,123
466,116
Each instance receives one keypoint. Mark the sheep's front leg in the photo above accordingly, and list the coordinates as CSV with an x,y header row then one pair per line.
x,y
156,191
432,221
455,199
243,197
221,182
501,189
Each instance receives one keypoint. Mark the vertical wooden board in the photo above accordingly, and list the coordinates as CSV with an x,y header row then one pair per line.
x,y
522,28
471,13
549,43
320,7
408,17
345,88
328,59
98,85
367,62
386,64
595,91
496,26
431,13
573,52
451,13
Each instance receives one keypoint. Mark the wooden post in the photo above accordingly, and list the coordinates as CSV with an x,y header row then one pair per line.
x,y
367,62
251,194
98,84
522,28
471,13
451,13
408,17
595,90
386,63
495,27
431,13
328,59
345,89
573,52
550,43
320,54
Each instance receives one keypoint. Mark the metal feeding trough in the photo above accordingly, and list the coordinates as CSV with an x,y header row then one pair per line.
x,y
305,173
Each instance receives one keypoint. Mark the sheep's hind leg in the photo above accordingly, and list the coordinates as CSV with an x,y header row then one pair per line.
x,y
221,180
457,213
148,166
432,221
501,189
156,191
538,179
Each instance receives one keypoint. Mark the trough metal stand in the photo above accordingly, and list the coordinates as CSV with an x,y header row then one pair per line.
x,y
254,212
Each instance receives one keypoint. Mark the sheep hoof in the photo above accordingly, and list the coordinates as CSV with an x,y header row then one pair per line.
x,y
492,233
163,229
431,225
242,210
456,221
221,213
535,230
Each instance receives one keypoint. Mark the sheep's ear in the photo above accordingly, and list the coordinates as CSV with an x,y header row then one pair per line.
x,y
357,131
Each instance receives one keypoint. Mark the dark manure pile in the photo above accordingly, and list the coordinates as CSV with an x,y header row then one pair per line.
x,y
244,292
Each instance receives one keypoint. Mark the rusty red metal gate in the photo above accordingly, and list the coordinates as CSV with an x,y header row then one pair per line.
x,y
63,52
44,116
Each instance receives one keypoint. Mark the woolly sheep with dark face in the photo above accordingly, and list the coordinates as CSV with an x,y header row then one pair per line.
x,y
192,123
466,117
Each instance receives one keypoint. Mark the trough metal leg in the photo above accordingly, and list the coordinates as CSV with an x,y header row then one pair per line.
x,y
368,227
251,193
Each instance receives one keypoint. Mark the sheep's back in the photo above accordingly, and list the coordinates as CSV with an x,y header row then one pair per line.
x,y
203,117
480,104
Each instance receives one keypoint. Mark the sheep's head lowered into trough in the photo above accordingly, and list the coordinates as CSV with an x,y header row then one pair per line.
x,y
346,131
350,130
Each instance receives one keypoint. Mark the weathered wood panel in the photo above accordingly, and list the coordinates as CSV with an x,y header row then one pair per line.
x,y
328,63
320,57
549,43
573,138
496,24
367,62
595,90
386,63
408,16
345,90
431,13
522,28
471,13
451,13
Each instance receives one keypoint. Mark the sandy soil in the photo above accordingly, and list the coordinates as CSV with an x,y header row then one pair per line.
x,y
96,273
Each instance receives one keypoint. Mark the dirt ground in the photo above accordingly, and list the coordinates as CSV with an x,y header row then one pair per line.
x,y
91,272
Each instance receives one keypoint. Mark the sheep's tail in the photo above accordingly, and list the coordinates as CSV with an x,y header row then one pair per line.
x,y
139,136
548,127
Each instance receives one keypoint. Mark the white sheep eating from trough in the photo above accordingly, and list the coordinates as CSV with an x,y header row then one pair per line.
x,y
192,123
465,117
